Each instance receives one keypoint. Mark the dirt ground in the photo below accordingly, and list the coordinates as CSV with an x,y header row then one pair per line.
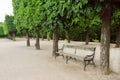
x,y
18,62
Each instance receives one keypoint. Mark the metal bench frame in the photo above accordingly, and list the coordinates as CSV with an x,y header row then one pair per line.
x,y
88,59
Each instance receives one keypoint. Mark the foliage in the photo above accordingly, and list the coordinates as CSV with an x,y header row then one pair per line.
x,y
115,23
5,29
9,23
116,17
1,31
73,15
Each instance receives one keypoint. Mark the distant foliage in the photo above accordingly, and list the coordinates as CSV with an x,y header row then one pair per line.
x,y
1,31
9,23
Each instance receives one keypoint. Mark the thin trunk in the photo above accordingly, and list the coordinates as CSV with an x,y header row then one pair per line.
x,y
28,38
42,37
118,37
68,35
37,45
55,41
13,36
48,36
9,36
105,39
87,35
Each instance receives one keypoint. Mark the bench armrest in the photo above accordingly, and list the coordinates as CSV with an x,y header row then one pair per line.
x,y
89,57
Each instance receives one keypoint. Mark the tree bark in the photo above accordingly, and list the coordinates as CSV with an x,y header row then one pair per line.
x,y
42,37
37,45
68,35
48,36
118,37
9,36
28,38
13,36
105,38
55,41
87,35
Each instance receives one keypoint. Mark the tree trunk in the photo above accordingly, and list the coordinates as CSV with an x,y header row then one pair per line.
x,y
37,45
87,35
9,36
55,41
68,35
42,37
118,37
28,38
13,36
105,38
48,36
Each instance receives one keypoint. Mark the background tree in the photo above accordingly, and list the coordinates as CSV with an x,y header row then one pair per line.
x,y
38,9
116,25
11,27
53,22
22,18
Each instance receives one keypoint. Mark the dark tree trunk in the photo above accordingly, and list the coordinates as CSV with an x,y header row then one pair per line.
x,y
13,36
28,38
118,37
9,36
48,36
87,35
55,41
105,38
68,35
37,45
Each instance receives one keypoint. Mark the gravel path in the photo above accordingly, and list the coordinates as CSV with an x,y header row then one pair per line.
x,y
18,62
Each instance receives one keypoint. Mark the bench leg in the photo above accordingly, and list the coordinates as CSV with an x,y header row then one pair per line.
x,y
62,56
67,58
59,55
85,64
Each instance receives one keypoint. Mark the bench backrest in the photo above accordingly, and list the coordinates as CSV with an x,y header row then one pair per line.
x,y
79,50
69,49
83,51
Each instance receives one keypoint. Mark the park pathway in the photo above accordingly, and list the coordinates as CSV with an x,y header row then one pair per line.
x,y
18,62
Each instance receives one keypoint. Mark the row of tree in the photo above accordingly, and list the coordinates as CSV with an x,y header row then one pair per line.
x,y
85,16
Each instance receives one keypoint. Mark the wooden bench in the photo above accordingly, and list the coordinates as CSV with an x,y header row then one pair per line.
x,y
78,53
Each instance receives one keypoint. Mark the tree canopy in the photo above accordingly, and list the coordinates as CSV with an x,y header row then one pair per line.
x,y
71,19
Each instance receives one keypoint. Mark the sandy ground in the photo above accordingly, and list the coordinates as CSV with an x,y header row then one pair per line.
x,y
18,62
